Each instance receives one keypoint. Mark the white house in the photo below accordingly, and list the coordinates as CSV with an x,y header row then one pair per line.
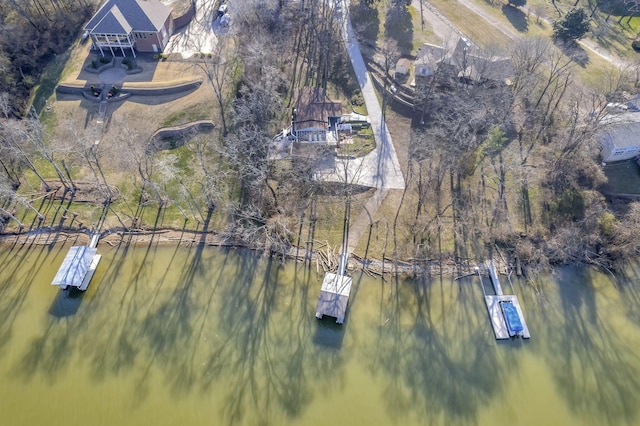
x,y
621,142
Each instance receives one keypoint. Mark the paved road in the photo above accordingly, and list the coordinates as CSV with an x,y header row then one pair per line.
x,y
441,26
380,168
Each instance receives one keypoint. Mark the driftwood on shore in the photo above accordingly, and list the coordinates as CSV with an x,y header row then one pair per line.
x,y
324,256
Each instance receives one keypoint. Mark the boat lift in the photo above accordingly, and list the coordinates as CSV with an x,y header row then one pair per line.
x,y
504,310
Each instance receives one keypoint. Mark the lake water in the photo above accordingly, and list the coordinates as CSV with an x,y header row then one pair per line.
x,y
203,336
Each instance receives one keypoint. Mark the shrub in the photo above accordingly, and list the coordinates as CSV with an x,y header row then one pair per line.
x,y
572,27
94,64
104,60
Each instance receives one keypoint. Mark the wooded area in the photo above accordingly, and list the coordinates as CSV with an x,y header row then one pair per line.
x,y
31,32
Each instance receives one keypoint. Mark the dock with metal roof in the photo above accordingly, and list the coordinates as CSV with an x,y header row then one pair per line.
x,y
505,312
334,296
78,266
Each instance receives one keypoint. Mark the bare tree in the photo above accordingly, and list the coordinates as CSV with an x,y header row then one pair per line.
x,y
220,70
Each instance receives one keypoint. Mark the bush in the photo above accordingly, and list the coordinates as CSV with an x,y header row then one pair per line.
x,y
104,60
94,64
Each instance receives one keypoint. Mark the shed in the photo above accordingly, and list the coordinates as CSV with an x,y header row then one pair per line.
x,y
402,69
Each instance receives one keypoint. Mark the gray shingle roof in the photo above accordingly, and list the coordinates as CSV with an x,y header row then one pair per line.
x,y
116,16
113,23
624,135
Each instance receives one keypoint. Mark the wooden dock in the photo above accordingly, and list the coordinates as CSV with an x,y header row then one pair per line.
x,y
496,311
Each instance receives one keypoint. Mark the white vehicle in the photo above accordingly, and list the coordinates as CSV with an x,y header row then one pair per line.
x,y
222,10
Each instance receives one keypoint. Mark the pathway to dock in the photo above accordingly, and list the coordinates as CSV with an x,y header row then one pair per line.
x,y
336,288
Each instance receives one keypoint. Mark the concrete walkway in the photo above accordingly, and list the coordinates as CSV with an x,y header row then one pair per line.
x,y
198,36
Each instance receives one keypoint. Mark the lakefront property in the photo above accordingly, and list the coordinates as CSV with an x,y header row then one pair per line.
x,y
349,212
122,27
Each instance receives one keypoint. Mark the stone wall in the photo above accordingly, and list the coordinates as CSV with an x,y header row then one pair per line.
x,y
183,20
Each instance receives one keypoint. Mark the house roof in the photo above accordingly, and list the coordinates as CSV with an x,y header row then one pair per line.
x,y
313,106
428,57
624,135
123,16
466,58
403,65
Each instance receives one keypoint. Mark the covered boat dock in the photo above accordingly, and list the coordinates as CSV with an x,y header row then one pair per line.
x,y
78,266
334,296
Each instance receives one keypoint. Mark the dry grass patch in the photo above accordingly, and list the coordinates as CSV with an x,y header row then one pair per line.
x,y
474,26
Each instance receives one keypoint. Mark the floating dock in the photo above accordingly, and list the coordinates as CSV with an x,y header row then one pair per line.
x,y
78,266
504,310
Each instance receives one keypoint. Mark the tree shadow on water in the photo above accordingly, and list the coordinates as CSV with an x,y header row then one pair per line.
x,y
265,351
518,19
595,367
14,291
436,360
630,293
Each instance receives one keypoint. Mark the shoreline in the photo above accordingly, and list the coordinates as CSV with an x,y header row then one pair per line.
x,y
325,260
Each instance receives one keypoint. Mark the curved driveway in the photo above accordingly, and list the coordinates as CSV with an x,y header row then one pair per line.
x,y
380,168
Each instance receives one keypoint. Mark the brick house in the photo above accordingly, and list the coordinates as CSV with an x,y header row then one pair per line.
x,y
130,25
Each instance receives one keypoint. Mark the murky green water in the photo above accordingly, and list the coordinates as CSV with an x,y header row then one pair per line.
x,y
199,336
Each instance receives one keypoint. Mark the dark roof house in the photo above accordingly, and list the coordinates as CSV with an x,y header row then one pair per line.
x,y
464,61
135,25
312,115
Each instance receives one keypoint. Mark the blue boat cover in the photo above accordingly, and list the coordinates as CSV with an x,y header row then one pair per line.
x,y
511,317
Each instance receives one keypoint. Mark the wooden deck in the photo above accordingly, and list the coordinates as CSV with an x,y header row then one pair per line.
x,y
497,318
334,296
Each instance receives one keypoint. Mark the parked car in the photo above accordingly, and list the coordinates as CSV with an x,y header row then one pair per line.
x,y
222,10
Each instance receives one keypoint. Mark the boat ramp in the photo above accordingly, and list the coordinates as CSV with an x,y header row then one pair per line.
x,y
504,310
78,266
